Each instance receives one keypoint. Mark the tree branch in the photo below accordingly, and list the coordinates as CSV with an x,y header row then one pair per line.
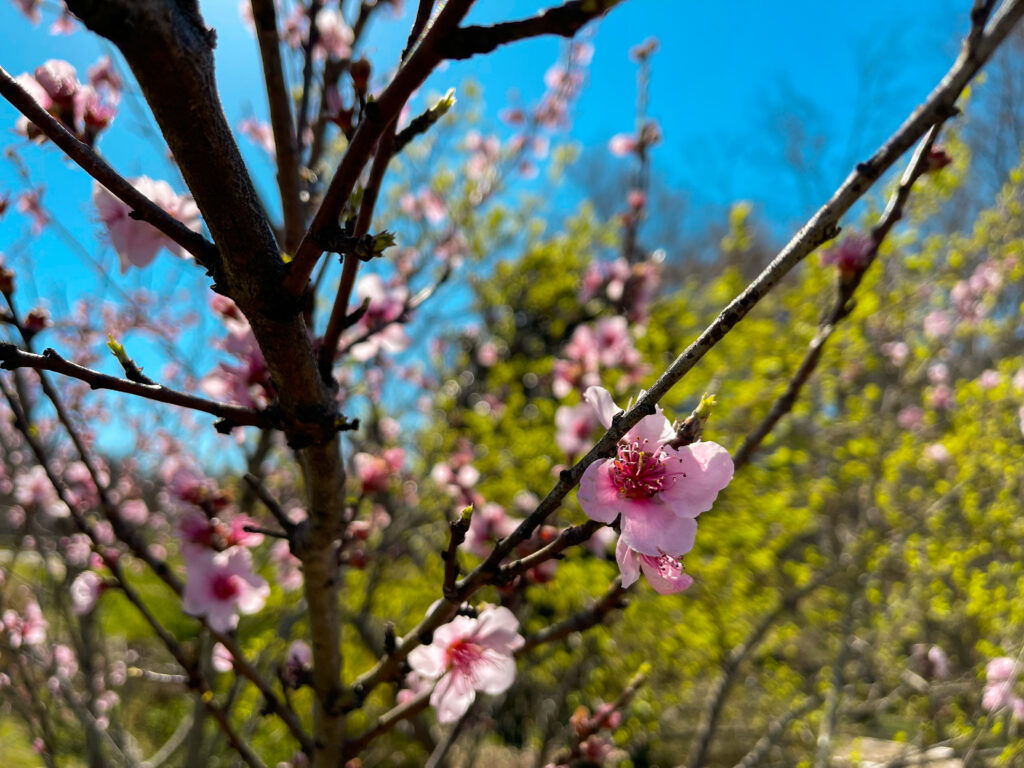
x,y
11,358
286,148
564,21
86,158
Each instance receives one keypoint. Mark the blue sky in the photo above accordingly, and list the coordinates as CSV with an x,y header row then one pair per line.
x,y
729,81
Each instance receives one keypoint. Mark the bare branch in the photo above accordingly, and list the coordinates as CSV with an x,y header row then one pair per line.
x,y
611,600
86,158
565,21
11,358
285,145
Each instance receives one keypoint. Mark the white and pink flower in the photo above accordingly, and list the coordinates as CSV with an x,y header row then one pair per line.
x,y
469,655
222,585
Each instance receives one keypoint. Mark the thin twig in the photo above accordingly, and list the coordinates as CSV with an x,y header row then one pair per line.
x,y
846,288
286,148
755,757
11,357
307,72
613,599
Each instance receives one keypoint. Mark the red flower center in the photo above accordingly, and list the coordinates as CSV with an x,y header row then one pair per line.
x,y
463,657
224,586
637,473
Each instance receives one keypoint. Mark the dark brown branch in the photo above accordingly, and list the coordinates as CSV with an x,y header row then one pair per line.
x,y
307,70
569,537
285,145
419,23
387,721
272,504
565,21
86,158
11,357
457,534
846,288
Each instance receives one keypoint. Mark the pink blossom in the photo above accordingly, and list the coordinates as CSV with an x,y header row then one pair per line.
x,y
1000,670
222,585
335,36
937,324
658,490
941,397
297,664
896,351
910,417
221,659
63,24
289,573
85,591
384,307
375,472
103,75
852,255
622,144
574,425
469,655
997,696
260,133
27,628
30,203
664,572
938,453
59,80
989,379
136,242
488,524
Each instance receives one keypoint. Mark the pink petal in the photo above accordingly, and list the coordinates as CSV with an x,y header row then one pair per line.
x,y
601,401
498,628
665,584
700,471
597,495
495,673
451,697
651,529
629,563
427,660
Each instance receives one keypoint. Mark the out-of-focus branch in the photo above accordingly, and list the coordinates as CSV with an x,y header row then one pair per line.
x,y
846,287
286,148
565,20
307,70
457,534
387,721
731,665
86,158
756,755
336,323
613,599
11,358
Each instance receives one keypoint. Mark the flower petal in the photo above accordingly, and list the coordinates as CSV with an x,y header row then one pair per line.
x,y
699,472
600,400
597,494
651,529
629,565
